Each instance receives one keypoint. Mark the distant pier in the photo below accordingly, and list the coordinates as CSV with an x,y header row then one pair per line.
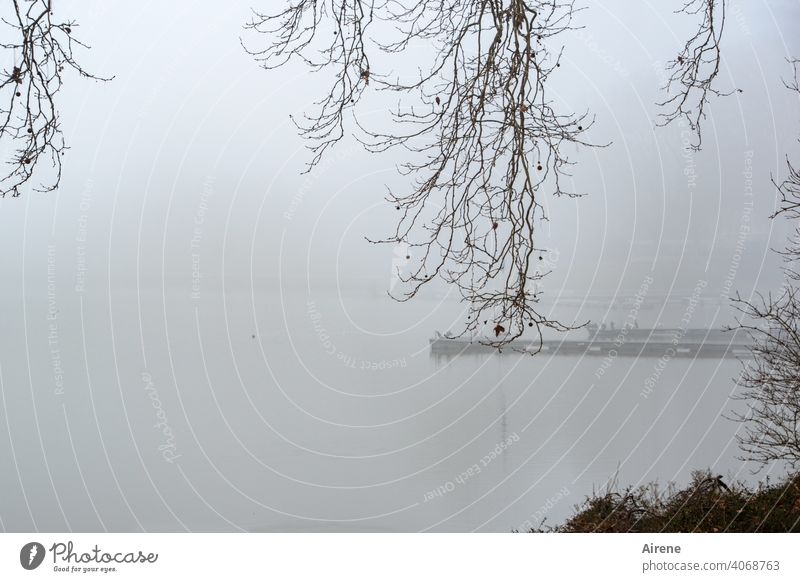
x,y
691,346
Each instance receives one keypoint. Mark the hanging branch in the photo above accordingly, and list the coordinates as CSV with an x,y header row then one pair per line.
x,y
692,73
483,139
42,50
292,32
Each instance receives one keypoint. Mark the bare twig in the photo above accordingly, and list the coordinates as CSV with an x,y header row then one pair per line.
x,y
692,74
42,50
789,189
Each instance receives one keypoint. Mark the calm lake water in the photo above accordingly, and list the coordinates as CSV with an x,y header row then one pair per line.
x,y
310,411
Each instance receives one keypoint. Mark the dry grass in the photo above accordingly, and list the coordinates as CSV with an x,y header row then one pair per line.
x,y
706,505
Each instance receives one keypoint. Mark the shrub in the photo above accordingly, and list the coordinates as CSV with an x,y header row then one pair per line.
x,y
706,505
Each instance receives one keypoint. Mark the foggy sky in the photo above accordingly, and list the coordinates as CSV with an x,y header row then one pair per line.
x,y
188,110
185,171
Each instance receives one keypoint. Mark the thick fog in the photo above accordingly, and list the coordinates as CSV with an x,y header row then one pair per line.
x,y
195,334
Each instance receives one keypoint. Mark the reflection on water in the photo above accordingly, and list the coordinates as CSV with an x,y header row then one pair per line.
x,y
293,412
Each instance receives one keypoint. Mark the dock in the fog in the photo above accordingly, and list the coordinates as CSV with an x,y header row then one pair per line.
x,y
654,344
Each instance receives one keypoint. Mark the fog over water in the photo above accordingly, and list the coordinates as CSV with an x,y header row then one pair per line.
x,y
195,335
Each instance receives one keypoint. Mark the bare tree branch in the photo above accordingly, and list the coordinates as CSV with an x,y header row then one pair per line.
x,y
789,189
693,72
483,138
42,50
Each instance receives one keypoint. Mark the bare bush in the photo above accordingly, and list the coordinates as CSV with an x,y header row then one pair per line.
x,y
771,379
